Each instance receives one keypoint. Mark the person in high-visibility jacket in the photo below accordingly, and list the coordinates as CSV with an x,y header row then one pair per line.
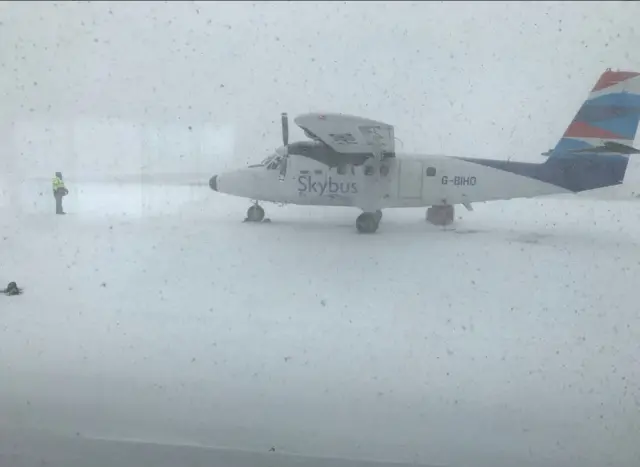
x,y
59,191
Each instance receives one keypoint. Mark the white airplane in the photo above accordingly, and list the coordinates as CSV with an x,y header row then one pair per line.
x,y
352,161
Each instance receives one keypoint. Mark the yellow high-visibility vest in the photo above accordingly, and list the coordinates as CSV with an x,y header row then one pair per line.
x,y
57,183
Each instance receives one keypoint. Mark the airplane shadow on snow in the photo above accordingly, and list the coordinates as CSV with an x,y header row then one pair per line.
x,y
420,230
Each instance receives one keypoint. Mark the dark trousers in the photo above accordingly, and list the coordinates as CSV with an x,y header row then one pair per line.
x,y
58,196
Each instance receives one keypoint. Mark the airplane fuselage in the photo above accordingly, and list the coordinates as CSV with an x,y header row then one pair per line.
x,y
352,161
400,182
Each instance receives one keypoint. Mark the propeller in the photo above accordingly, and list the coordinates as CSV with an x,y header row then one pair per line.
x,y
285,142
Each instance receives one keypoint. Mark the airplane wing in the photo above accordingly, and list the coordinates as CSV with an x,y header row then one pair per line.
x,y
348,134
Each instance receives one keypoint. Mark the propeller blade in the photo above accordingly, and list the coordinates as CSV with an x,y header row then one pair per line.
x,y
283,169
285,129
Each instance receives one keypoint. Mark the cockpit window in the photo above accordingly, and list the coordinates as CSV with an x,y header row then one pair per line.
x,y
274,164
311,149
268,159
272,161
266,162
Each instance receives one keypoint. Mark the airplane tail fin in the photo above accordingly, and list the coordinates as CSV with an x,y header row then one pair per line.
x,y
607,122
594,151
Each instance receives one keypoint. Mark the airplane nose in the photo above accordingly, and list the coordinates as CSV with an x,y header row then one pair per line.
x,y
213,183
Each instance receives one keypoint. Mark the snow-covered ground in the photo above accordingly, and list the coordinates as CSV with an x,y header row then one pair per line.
x,y
154,314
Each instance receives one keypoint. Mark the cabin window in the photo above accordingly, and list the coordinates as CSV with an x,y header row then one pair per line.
x,y
344,169
318,171
384,170
431,171
368,170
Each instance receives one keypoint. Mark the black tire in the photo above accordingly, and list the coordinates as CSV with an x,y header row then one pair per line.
x,y
367,223
448,215
440,215
255,213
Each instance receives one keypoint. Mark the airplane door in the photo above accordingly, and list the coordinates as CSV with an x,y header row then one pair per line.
x,y
410,180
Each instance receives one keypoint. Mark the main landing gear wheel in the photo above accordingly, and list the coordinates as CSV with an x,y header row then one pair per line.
x,y
368,222
255,214
440,215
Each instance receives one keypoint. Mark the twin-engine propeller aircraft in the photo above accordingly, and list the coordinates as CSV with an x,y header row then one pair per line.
x,y
352,161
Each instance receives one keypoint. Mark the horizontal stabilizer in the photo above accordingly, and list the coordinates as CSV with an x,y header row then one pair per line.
x,y
607,121
610,147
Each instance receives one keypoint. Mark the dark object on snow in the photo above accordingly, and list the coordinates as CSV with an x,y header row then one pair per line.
x,y
12,289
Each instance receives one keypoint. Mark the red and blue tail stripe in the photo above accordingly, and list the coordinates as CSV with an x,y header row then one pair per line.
x,y
610,114
594,150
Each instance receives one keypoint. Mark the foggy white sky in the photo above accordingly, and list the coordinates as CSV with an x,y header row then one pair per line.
x,y
487,80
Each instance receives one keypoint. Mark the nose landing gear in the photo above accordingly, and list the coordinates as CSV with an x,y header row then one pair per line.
x,y
255,214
